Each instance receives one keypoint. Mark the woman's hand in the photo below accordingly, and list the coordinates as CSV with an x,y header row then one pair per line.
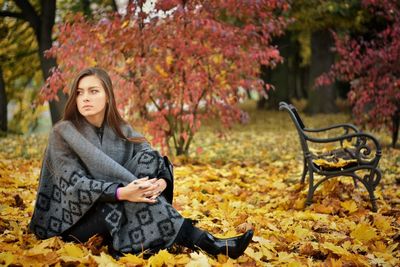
x,y
162,185
142,190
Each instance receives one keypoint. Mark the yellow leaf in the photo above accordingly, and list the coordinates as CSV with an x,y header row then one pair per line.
x,y
363,232
161,71
349,205
90,61
335,249
162,258
132,259
334,263
126,23
168,60
50,243
330,164
105,260
217,59
182,259
299,204
295,264
285,257
72,250
267,253
267,249
301,232
264,242
347,144
382,223
272,227
323,208
254,255
198,260
379,246
129,60
6,258
100,37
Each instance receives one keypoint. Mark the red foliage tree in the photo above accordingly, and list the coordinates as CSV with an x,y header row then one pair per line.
x,y
371,65
175,70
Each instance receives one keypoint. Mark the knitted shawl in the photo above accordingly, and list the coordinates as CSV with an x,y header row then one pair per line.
x,y
78,167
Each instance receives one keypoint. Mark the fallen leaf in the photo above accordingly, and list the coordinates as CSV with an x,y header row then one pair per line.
x,y
163,257
363,232
198,260
349,206
6,258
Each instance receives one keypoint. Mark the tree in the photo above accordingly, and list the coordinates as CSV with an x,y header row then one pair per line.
x,y
179,69
42,24
20,73
313,20
370,62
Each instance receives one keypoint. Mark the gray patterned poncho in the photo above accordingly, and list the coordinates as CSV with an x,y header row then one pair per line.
x,y
78,167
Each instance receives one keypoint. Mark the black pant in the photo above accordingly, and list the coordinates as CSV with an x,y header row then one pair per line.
x,y
93,222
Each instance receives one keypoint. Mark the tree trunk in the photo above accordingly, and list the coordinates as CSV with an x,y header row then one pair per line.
x,y
3,103
56,106
43,25
45,43
278,77
300,76
287,77
321,99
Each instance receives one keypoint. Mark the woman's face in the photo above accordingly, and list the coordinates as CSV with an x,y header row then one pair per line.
x,y
91,99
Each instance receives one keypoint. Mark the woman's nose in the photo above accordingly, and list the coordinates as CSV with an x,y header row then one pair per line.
x,y
85,97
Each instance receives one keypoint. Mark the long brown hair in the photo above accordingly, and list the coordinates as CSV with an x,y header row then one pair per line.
x,y
112,116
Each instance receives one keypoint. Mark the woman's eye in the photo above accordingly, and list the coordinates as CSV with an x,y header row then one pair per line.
x,y
95,91
79,92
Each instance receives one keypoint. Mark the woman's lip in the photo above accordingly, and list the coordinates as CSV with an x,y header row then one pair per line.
x,y
87,106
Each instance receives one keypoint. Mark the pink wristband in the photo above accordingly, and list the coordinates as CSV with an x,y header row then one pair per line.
x,y
117,193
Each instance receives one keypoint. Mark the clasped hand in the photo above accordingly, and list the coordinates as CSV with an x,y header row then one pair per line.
x,y
142,190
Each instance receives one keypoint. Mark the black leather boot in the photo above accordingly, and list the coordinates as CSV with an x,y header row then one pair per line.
x,y
233,247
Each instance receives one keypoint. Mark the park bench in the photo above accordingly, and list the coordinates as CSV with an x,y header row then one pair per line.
x,y
355,155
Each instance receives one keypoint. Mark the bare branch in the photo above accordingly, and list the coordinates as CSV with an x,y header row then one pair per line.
x,y
12,15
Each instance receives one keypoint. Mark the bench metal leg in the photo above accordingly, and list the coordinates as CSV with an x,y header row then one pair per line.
x,y
305,168
373,201
371,181
311,188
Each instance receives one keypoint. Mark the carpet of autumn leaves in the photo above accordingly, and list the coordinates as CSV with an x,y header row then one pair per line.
x,y
247,178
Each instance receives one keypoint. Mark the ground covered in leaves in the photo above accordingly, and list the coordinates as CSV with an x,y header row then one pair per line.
x,y
246,178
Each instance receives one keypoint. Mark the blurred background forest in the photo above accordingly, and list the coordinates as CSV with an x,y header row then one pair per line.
x,y
177,63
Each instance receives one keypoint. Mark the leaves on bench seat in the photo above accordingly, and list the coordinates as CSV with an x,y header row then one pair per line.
x,y
338,158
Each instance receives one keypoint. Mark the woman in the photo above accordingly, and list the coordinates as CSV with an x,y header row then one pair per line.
x,y
99,176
